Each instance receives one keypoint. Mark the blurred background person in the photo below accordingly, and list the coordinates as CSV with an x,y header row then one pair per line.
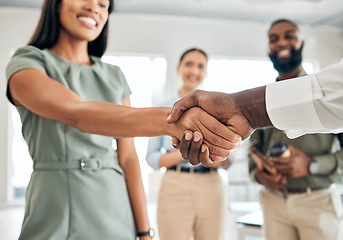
x,y
300,201
192,199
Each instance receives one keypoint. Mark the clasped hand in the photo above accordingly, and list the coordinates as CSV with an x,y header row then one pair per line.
x,y
219,106
218,140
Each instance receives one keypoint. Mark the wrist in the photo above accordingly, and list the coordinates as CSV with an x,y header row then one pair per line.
x,y
313,167
167,128
149,233
252,104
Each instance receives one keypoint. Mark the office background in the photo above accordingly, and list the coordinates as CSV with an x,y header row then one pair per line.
x,y
163,36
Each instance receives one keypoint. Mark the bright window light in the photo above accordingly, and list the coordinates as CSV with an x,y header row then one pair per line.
x,y
230,75
146,77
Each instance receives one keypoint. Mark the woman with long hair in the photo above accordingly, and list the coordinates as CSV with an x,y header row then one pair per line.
x,y
72,105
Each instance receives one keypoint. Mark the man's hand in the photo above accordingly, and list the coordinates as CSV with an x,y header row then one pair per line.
x,y
242,112
219,138
220,105
294,166
222,164
195,151
275,182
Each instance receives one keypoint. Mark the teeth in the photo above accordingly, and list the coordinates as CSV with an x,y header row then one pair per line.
x,y
88,20
285,52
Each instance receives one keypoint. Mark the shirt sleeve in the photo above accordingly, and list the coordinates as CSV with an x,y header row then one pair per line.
x,y
310,104
154,152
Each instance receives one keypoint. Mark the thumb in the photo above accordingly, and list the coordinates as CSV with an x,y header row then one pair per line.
x,y
175,114
180,107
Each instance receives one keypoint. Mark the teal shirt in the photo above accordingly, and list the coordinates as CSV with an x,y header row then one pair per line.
x,y
65,203
323,148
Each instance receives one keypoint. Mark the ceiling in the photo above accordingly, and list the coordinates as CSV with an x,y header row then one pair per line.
x,y
309,12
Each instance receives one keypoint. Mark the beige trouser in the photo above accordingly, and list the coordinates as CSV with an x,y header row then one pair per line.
x,y
316,215
192,203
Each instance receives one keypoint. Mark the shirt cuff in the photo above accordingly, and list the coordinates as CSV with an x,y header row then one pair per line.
x,y
290,106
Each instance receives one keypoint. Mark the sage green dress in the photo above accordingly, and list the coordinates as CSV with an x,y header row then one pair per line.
x,y
77,190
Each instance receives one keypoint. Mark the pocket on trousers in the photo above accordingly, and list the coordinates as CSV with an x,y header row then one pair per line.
x,y
337,203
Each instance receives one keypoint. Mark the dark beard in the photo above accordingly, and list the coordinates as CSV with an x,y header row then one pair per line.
x,y
289,65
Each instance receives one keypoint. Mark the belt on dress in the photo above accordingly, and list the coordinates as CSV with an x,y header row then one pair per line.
x,y
192,170
84,164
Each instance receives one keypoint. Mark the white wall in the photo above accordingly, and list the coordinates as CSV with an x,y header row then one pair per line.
x,y
161,36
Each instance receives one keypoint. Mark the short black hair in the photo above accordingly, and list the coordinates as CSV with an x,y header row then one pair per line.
x,y
281,21
192,50
47,30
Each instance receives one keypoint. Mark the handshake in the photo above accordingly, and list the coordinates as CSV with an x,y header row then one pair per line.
x,y
241,113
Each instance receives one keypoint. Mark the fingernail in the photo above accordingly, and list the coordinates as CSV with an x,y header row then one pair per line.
x,y
196,138
188,136
203,148
174,143
233,151
237,138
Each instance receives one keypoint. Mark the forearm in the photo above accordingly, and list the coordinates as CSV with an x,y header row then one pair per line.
x,y
136,193
61,104
252,104
121,121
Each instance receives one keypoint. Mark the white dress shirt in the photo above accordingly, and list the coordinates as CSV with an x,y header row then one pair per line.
x,y
310,104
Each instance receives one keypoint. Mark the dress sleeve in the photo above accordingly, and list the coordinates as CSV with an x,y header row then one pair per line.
x,y
310,104
24,58
125,86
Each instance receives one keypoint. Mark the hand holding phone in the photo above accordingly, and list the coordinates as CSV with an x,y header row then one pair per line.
x,y
262,161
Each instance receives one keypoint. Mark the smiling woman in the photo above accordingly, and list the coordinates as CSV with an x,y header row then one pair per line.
x,y
71,106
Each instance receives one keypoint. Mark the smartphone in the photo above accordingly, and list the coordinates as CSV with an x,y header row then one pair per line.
x,y
260,159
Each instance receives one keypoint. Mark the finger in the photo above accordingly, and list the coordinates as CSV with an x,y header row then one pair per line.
x,y
175,142
279,160
277,178
217,134
216,158
219,153
220,135
284,170
175,114
185,144
194,151
259,165
284,180
204,153
292,148
204,156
